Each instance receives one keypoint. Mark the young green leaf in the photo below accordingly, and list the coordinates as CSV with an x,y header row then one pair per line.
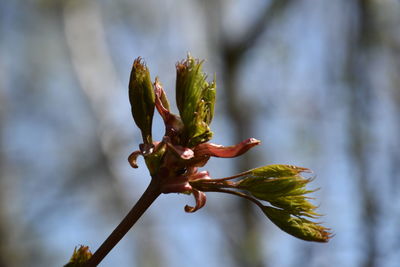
x,y
195,98
277,170
296,205
297,226
273,186
269,183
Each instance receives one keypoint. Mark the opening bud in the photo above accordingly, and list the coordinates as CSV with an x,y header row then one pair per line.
x,y
195,98
142,98
79,257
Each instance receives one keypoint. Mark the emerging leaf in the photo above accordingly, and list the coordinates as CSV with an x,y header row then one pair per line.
x,y
269,183
296,226
296,205
195,98
79,257
142,99
274,187
277,170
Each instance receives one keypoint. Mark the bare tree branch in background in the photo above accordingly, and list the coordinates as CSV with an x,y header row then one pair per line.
x,y
390,36
362,40
93,66
18,241
247,249
395,149
3,227
386,31
98,79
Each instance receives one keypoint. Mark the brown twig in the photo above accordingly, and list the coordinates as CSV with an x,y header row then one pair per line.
x,y
145,201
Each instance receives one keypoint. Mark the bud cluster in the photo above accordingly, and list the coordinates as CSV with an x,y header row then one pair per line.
x,y
174,161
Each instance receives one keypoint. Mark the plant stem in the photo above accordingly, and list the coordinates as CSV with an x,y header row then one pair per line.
x,y
240,194
232,177
145,201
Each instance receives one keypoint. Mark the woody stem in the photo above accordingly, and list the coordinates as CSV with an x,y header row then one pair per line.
x,y
145,201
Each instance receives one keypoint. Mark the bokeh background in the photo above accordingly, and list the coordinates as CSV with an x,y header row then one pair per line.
x,y
317,81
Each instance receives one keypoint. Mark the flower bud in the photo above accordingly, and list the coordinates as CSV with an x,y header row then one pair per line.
x,y
296,226
142,99
195,98
79,257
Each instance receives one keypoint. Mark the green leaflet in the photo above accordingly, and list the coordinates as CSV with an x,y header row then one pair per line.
x,y
296,205
195,98
269,183
277,170
273,181
273,186
296,226
142,98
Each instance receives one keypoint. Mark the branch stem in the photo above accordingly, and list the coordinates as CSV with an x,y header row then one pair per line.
x,y
232,177
240,194
145,201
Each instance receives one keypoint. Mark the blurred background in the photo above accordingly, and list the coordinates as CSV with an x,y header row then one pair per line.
x,y
317,81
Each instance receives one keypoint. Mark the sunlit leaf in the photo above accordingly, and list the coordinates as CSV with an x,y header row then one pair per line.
x,y
277,170
297,226
195,98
